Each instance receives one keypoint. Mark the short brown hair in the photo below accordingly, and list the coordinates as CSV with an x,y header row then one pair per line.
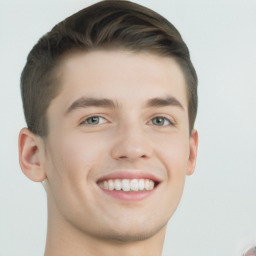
x,y
104,25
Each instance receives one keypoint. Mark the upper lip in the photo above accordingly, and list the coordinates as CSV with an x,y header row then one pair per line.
x,y
130,174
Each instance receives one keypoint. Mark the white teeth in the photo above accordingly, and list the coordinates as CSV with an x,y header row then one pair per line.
x,y
134,185
111,185
151,185
141,184
128,185
118,184
147,184
105,185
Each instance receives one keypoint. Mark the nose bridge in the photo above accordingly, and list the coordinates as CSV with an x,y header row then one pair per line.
x,y
131,142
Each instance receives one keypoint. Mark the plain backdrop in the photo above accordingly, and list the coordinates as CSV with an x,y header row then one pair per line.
x,y
217,214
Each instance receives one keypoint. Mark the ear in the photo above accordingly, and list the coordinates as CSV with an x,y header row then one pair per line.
x,y
193,146
30,155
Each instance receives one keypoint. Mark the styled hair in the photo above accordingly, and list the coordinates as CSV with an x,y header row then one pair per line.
x,y
104,25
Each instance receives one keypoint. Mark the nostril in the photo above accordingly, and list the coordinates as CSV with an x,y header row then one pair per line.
x,y
123,157
135,157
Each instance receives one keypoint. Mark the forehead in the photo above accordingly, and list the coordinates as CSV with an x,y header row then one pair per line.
x,y
125,76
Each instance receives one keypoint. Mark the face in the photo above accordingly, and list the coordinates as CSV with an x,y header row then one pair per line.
x,y
119,147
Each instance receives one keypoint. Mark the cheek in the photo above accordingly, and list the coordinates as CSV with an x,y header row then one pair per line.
x,y
174,153
76,155
79,155
70,162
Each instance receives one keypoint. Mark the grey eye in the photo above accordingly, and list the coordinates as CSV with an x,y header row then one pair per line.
x,y
95,120
160,121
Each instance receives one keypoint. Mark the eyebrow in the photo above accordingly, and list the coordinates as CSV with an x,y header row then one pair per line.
x,y
164,102
84,102
90,102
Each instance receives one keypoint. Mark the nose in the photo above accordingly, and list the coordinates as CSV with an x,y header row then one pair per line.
x,y
130,144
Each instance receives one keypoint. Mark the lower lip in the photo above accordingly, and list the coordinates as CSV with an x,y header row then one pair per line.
x,y
129,196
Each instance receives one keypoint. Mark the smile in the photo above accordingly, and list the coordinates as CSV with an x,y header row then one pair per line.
x,y
128,185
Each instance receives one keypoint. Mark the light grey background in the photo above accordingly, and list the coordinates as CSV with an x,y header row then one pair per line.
x,y
217,215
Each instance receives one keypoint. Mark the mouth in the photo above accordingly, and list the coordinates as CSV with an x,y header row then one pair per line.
x,y
128,185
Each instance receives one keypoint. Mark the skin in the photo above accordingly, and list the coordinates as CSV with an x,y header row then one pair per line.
x,y
76,154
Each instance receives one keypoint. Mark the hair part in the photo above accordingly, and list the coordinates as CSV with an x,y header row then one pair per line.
x,y
104,25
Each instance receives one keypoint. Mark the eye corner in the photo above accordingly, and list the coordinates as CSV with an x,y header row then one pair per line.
x,y
161,121
94,120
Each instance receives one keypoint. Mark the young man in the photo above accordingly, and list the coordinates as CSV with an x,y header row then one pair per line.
x,y
110,100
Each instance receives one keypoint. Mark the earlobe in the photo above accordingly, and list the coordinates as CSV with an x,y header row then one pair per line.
x,y
30,147
193,145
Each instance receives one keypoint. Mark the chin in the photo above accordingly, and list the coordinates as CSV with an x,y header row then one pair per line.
x,y
130,234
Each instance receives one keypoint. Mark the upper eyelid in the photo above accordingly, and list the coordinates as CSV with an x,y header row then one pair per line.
x,y
171,120
166,118
94,115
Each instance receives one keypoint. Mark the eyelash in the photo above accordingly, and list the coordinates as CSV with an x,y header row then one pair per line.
x,y
88,118
169,122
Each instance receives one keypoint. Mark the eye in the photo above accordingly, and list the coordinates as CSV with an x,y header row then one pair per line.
x,y
160,121
94,120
